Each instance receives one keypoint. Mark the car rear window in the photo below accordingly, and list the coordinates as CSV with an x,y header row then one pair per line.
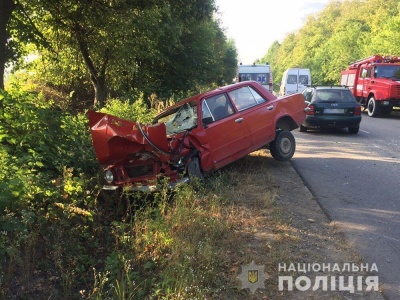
x,y
303,79
292,79
333,95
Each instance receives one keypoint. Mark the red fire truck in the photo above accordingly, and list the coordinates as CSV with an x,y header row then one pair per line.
x,y
375,82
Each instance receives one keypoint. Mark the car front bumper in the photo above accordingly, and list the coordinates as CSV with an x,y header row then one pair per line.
x,y
147,188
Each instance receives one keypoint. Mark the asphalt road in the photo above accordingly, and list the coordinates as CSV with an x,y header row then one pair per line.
x,y
356,180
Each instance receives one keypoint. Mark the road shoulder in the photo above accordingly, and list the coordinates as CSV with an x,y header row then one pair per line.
x,y
319,242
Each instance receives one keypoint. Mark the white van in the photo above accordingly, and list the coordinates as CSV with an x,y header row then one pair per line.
x,y
294,80
260,73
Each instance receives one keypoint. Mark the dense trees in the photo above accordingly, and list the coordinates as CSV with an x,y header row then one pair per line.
x,y
96,49
124,46
343,32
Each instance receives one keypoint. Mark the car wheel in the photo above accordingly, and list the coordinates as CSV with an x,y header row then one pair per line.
x,y
302,128
373,108
284,145
194,170
354,130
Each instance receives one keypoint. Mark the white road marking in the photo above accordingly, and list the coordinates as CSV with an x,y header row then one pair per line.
x,y
364,131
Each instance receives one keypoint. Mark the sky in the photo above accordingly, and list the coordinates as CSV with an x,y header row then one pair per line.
x,y
255,24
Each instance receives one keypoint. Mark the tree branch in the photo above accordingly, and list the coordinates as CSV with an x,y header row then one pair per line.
x,y
80,37
41,39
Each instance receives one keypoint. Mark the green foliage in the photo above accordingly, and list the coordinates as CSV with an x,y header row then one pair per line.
x,y
125,109
39,142
48,175
131,50
341,33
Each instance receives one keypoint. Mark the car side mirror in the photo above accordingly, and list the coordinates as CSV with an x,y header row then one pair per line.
x,y
207,121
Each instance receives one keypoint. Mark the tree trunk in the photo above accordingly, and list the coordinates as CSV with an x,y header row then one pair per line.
x,y
100,91
6,9
97,75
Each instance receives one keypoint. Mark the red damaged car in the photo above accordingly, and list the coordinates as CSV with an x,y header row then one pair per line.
x,y
196,136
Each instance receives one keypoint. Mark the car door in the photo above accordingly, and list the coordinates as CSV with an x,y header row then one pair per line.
x,y
304,79
292,82
366,82
256,112
226,133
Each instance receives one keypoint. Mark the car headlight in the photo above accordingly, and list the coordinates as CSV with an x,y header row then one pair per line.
x,y
109,176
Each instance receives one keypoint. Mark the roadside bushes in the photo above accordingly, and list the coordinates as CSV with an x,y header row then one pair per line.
x,y
48,186
124,109
39,142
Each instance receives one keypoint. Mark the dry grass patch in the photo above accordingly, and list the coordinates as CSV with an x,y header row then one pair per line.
x,y
260,234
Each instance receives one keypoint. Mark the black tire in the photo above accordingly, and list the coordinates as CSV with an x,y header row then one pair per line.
x,y
284,146
354,130
302,128
373,108
194,170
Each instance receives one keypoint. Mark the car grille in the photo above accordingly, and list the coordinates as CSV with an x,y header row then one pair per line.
x,y
139,171
395,92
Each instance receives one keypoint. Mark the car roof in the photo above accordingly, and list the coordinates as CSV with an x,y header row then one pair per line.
x,y
209,93
325,87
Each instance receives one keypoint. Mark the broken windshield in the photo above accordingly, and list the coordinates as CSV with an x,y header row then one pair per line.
x,y
180,119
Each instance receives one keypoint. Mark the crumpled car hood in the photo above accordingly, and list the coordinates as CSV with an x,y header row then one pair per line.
x,y
115,139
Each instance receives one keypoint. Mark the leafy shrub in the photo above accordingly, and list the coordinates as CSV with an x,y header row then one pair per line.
x,y
38,143
125,109
48,186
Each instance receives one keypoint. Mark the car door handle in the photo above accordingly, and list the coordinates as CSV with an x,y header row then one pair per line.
x,y
239,120
271,107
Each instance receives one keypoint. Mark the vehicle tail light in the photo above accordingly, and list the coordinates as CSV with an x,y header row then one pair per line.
x,y
357,111
309,110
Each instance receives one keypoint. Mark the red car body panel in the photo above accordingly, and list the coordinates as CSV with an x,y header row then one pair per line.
x,y
139,154
114,138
